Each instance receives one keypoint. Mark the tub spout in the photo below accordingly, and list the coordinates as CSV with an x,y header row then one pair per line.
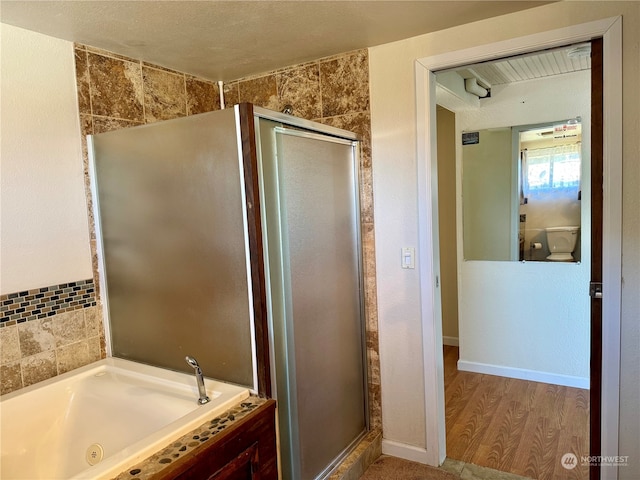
x,y
199,380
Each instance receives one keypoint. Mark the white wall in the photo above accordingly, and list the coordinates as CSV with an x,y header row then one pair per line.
x,y
45,233
528,320
393,108
487,226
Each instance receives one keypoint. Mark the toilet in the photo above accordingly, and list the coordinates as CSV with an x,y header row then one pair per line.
x,y
562,243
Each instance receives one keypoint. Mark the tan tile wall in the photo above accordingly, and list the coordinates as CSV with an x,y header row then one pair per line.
x,y
118,92
42,348
48,331
333,91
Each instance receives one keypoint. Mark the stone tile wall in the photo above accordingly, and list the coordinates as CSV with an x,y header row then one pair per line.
x,y
333,91
118,92
49,345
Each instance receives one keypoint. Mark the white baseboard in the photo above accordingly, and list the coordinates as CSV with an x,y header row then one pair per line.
x,y
451,341
524,374
405,451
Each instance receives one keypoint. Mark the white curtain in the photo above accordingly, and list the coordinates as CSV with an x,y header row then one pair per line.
x,y
551,168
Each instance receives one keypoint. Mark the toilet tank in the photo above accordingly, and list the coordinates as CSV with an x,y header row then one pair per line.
x,y
562,239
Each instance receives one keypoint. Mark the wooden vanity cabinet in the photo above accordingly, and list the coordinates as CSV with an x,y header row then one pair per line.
x,y
245,451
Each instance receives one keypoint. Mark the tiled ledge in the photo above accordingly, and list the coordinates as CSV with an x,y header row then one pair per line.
x,y
363,455
150,467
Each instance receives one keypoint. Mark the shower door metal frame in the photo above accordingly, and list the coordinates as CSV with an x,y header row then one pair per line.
x,y
304,128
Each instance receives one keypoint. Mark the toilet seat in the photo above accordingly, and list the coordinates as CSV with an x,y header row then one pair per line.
x,y
560,257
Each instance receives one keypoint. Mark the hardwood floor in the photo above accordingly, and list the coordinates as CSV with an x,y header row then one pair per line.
x,y
515,426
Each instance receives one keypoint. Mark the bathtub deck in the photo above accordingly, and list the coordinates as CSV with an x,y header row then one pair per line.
x,y
153,466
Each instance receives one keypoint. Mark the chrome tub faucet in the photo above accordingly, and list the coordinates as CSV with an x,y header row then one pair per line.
x,y
199,380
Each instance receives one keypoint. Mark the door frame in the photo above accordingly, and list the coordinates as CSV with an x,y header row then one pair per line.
x,y
610,30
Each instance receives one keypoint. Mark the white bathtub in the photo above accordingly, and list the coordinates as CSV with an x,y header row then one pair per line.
x,y
49,430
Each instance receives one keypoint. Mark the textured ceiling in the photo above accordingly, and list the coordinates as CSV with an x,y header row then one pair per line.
x,y
227,40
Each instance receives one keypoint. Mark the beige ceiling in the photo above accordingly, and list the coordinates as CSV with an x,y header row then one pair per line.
x,y
227,40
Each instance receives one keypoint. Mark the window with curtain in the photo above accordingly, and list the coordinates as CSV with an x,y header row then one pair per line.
x,y
551,169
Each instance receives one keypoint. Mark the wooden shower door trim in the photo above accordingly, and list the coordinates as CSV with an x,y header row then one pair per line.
x,y
254,225
597,205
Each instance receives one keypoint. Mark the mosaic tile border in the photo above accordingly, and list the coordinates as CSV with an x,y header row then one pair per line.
x,y
44,302
149,468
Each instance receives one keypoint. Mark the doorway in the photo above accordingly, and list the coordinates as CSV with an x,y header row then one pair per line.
x,y
524,330
610,30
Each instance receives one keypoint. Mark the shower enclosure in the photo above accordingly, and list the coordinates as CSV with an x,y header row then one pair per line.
x,y
234,237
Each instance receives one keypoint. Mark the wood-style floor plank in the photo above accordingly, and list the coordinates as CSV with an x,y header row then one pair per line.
x,y
515,426
504,435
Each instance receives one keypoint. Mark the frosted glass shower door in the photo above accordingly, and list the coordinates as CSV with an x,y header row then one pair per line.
x,y
174,235
320,263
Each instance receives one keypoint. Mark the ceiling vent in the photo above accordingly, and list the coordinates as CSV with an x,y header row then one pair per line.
x,y
471,86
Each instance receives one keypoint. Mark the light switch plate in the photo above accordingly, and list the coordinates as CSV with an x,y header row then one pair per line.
x,y
408,257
